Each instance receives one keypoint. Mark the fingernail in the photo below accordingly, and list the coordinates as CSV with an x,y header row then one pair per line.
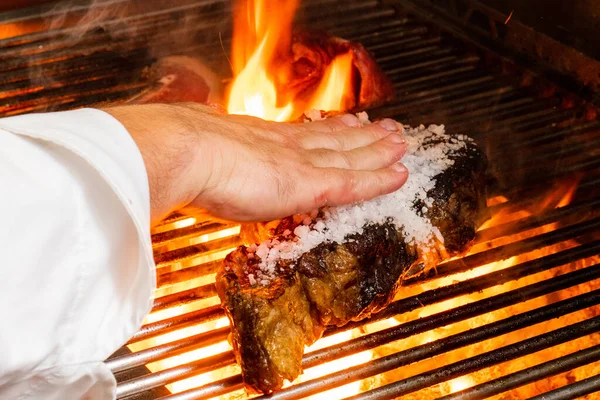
x,y
389,124
399,167
396,138
350,120
400,128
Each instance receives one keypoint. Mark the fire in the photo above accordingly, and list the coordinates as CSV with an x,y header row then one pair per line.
x,y
263,65
333,94
561,197
261,54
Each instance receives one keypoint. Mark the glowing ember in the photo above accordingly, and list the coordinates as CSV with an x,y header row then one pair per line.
x,y
262,64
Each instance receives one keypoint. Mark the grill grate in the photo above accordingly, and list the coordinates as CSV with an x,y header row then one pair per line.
x,y
535,265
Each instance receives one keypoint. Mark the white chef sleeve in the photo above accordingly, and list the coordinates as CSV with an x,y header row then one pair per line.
x,y
76,266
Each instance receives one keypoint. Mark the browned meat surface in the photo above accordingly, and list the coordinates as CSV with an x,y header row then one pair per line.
x,y
335,283
180,79
313,52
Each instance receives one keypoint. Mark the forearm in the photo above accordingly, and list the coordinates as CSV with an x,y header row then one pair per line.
x,y
168,142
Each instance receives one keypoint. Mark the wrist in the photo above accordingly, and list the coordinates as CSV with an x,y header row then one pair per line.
x,y
167,138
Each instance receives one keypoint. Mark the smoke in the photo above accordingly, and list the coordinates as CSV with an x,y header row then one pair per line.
x,y
128,33
74,19
67,27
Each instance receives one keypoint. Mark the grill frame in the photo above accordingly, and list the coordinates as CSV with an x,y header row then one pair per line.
x,y
460,85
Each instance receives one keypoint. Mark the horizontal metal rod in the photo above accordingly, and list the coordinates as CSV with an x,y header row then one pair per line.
x,y
50,34
184,297
440,346
408,74
146,356
416,111
437,295
442,87
535,221
387,42
392,67
170,375
410,85
198,229
379,29
70,101
472,364
478,284
425,324
210,390
470,91
509,250
196,250
572,391
528,375
181,321
473,285
520,104
167,277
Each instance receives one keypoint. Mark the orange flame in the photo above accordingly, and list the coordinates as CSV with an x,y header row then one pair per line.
x,y
262,63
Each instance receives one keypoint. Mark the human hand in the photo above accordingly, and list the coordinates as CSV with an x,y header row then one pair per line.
x,y
246,169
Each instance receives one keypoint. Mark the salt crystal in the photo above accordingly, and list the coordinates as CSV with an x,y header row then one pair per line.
x,y
313,115
319,226
337,223
301,230
363,118
437,129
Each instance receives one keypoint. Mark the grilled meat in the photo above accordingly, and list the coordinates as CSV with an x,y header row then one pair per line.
x,y
312,53
340,281
176,79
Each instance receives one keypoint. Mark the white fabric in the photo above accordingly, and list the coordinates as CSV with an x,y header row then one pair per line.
x,y
76,266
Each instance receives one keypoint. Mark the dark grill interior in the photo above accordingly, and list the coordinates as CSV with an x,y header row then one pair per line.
x,y
543,143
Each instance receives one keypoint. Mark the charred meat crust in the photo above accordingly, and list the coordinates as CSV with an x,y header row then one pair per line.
x,y
336,283
349,281
459,200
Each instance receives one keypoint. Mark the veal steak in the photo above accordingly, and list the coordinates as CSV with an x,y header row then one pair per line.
x,y
343,264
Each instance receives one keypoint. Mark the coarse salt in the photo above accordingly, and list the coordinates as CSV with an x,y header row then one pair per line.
x,y
337,223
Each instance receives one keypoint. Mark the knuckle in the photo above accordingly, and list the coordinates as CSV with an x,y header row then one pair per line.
x,y
338,142
349,184
346,160
284,186
320,198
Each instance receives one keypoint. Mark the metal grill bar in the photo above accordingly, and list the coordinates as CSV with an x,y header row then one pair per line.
x,y
434,348
477,284
572,391
438,81
166,376
529,375
473,364
512,249
168,325
428,350
430,297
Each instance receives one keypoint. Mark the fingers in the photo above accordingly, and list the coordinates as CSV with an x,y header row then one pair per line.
x,y
342,122
375,156
334,187
348,139
333,124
